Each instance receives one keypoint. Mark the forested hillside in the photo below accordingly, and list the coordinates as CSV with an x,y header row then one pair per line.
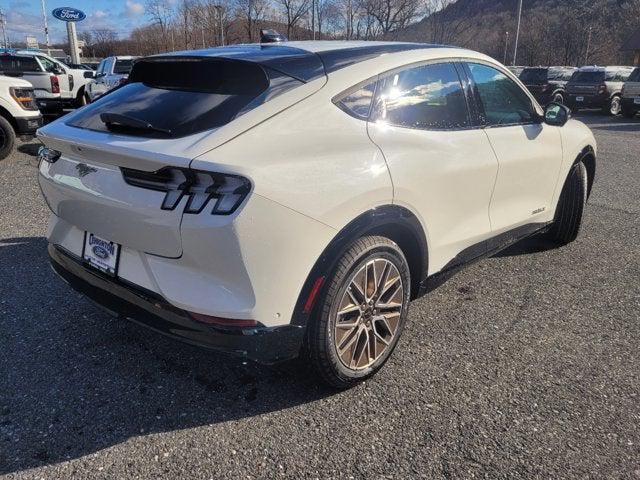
x,y
563,32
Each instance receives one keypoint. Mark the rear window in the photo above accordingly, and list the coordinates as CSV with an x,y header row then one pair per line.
x,y
123,67
635,76
13,63
588,77
534,76
173,97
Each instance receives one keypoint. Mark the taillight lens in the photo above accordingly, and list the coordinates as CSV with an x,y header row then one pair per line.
x,y
55,84
226,192
24,97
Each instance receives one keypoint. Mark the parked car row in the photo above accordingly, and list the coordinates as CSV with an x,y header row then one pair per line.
x,y
613,89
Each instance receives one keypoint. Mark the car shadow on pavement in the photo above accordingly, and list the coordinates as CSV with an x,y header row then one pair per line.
x,y
535,244
75,381
29,148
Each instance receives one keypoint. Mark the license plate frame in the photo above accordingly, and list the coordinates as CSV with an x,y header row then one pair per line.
x,y
101,254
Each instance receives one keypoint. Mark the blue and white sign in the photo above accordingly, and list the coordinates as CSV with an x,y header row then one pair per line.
x,y
68,14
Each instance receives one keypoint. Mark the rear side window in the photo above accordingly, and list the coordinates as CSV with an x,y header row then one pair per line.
x,y
635,75
428,97
358,102
13,63
173,97
504,102
123,67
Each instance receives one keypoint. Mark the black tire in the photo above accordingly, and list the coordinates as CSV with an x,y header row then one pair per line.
x,y
7,138
573,199
81,99
558,98
321,342
614,106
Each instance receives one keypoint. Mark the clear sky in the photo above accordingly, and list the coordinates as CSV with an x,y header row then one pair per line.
x,y
24,17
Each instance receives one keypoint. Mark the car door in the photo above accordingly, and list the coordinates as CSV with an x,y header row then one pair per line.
x,y
529,151
100,86
441,165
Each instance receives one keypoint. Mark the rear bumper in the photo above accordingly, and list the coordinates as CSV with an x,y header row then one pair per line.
x,y
629,105
121,299
28,125
49,104
588,101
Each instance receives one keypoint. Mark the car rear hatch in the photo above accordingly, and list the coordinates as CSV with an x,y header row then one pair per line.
x,y
587,83
171,111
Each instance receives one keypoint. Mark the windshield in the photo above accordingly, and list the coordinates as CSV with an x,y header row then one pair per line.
x,y
533,76
588,77
635,75
123,67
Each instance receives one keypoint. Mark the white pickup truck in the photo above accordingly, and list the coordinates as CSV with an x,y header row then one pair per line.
x,y
111,72
19,114
55,84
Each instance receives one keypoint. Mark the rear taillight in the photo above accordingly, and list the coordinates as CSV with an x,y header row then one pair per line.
x,y
55,84
226,191
24,97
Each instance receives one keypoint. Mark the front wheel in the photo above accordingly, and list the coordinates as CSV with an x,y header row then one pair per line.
x,y
361,314
571,204
7,138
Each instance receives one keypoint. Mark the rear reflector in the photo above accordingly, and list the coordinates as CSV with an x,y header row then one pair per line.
x,y
313,294
223,322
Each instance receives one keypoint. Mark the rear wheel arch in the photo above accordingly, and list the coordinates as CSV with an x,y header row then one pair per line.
x,y
391,221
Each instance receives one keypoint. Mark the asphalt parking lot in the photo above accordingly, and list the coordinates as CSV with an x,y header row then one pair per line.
x,y
525,365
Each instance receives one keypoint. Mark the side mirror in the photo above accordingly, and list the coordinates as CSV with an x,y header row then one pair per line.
x,y
57,70
556,114
89,74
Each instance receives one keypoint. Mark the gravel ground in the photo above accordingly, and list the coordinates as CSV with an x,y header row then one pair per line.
x,y
525,365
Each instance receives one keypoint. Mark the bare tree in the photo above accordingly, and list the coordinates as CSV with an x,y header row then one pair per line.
x,y
293,11
160,12
251,12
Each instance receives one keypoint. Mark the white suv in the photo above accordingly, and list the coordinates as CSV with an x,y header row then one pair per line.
x,y
286,198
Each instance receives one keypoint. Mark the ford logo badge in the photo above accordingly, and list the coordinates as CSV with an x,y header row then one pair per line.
x,y
68,14
100,252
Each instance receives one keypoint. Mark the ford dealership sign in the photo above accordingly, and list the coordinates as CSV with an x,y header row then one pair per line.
x,y
68,14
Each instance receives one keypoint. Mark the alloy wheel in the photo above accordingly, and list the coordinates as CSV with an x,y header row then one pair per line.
x,y
615,106
369,314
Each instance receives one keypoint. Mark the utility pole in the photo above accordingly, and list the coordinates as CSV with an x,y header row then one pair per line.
x,y
506,47
46,27
313,19
3,20
586,56
515,51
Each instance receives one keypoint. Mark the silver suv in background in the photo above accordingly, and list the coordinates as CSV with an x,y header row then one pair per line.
x,y
111,72
631,95
597,87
